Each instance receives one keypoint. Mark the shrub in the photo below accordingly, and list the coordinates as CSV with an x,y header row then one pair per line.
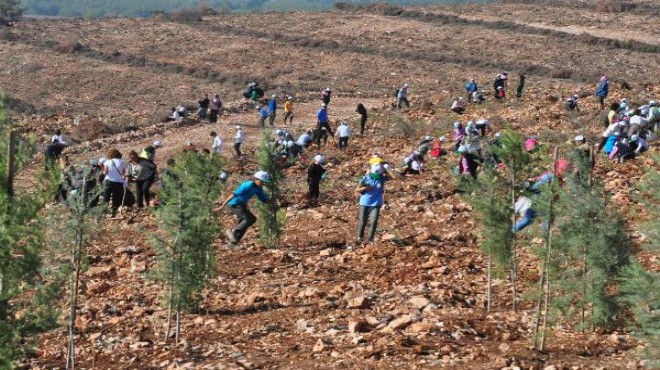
x,y
68,46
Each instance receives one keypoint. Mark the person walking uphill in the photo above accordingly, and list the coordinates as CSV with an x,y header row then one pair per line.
x,y
238,203
143,172
362,111
602,90
371,191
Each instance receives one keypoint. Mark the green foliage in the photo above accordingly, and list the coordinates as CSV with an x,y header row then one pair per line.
x,y
639,291
492,206
512,152
144,8
185,252
270,225
11,10
592,246
21,240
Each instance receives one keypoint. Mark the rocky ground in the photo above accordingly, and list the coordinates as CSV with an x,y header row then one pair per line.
x,y
415,299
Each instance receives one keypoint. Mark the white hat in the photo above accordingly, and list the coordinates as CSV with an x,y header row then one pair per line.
x,y
377,169
262,175
322,105
288,97
279,132
579,138
653,103
498,134
158,144
238,127
405,85
575,96
427,137
442,139
460,98
319,159
289,144
223,175
274,96
386,166
189,143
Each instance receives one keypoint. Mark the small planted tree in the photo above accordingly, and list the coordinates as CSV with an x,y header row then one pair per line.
x,y
22,313
11,10
72,224
489,197
270,221
639,287
512,153
186,256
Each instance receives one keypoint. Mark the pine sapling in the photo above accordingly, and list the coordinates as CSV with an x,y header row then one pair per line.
x,y
271,222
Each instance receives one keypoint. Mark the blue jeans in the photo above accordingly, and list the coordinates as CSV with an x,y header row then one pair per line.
x,y
545,179
527,219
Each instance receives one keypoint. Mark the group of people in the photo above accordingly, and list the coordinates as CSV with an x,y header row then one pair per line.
x,y
625,136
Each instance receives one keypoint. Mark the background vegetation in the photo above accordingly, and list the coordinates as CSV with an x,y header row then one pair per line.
x,y
144,8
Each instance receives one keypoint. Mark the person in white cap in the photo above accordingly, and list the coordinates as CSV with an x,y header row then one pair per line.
x,y
238,204
217,143
402,97
315,173
572,103
370,191
238,141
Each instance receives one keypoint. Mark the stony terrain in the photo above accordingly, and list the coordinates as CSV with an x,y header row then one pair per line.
x,y
414,300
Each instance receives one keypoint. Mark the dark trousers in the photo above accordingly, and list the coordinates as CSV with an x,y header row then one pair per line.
x,y
363,124
343,142
326,126
245,220
237,148
114,191
519,92
602,144
213,117
289,116
314,190
271,118
368,215
459,110
401,102
320,135
142,191
601,99
262,122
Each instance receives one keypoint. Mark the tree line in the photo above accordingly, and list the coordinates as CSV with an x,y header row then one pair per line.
x,y
145,8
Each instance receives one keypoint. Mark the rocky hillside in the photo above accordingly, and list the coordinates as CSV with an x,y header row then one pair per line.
x,y
413,300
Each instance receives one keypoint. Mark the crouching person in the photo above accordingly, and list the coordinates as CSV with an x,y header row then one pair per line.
x,y
523,207
238,203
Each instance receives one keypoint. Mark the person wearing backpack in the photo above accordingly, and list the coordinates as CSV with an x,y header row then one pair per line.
x,y
370,191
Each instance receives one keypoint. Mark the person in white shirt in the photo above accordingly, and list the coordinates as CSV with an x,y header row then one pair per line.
x,y
615,127
217,143
238,140
344,133
114,169
58,138
305,140
637,122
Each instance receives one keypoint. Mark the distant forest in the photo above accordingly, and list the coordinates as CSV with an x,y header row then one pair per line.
x,y
144,8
